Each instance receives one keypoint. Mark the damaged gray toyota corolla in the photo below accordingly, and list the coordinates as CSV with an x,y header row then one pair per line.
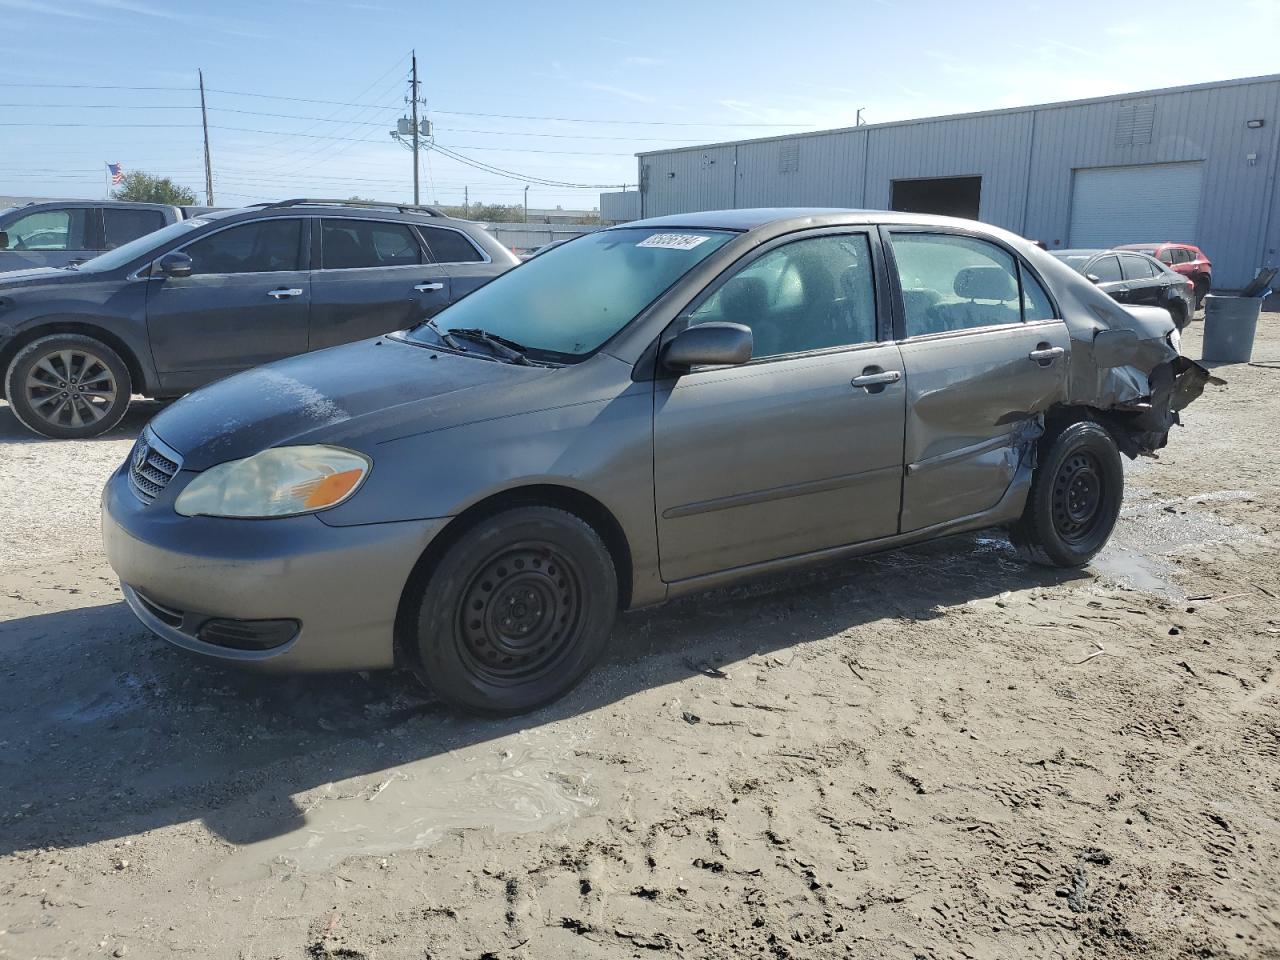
x,y
639,413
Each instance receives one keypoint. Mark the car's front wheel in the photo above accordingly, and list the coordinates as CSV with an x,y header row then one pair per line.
x,y
1075,497
68,386
516,611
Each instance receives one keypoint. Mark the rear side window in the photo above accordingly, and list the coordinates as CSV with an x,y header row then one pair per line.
x,y
450,246
125,225
1036,304
1105,269
262,247
954,283
352,244
1137,268
51,230
1166,255
1183,255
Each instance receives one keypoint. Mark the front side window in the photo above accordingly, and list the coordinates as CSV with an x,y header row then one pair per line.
x,y
352,244
1104,270
1182,255
954,283
121,226
450,246
565,303
51,230
807,295
1166,255
265,246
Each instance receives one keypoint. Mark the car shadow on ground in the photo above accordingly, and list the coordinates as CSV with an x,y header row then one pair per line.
x,y
135,418
107,732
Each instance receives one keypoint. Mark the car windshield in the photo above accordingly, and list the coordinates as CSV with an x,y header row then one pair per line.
x,y
126,252
1075,261
569,300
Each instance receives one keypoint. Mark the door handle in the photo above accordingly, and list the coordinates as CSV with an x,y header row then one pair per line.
x,y
282,293
874,377
426,287
1045,354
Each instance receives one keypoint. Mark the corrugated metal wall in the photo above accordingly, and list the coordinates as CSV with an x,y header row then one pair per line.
x,y
1026,159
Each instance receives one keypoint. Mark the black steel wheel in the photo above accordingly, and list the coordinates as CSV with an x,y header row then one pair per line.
x,y
1075,497
515,611
68,386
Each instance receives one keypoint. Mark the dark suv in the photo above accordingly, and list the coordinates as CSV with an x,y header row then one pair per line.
x,y
206,297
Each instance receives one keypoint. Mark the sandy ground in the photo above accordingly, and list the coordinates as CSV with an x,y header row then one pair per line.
x,y
940,752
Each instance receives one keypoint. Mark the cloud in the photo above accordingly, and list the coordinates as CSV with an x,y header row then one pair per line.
x,y
46,9
641,61
619,92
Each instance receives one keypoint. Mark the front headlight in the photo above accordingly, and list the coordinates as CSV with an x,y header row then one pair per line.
x,y
279,482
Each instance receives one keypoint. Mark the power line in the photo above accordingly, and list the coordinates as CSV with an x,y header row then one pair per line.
x,y
88,86
643,123
490,168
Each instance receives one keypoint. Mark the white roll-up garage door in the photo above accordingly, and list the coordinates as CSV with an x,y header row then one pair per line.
x,y
1138,204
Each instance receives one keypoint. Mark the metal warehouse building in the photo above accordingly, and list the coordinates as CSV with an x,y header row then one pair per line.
x,y
1195,163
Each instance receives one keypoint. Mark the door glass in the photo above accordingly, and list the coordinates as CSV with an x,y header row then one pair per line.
x,y
1036,304
1182,255
261,247
450,246
1166,255
954,283
50,230
1106,269
806,295
125,225
1136,268
350,244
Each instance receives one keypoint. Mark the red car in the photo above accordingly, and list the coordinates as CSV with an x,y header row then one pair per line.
x,y
1184,258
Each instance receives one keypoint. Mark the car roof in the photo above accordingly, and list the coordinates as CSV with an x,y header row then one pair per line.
x,y
778,220
345,208
1079,251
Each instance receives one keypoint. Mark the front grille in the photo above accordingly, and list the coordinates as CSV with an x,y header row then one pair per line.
x,y
169,615
152,465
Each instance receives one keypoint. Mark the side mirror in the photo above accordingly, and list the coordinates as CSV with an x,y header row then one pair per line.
x,y
174,265
4,240
721,344
1093,278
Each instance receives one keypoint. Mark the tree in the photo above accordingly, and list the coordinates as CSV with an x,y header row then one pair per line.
x,y
488,212
144,188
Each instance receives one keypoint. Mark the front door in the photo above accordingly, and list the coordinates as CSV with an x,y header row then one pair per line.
x,y
374,277
50,237
801,448
245,303
984,353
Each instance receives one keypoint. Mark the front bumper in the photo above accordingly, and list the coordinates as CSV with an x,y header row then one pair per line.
x,y
341,584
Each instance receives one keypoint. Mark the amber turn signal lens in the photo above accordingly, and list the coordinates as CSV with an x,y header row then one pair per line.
x,y
327,490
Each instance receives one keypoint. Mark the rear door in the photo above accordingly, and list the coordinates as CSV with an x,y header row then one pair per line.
x,y
375,276
983,352
467,265
1144,285
1106,274
800,449
245,303
51,237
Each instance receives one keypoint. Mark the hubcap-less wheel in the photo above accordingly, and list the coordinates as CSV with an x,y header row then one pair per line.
x,y
71,388
520,612
1077,495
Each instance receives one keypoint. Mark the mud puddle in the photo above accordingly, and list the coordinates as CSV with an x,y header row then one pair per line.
x,y
517,784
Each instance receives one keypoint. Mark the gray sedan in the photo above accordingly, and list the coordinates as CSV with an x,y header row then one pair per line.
x,y
639,413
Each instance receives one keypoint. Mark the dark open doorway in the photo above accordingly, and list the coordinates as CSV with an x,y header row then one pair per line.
x,y
946,196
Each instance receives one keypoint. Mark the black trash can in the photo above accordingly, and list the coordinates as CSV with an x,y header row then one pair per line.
x,y
1229,327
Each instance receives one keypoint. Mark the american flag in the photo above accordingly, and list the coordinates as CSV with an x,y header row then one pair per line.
x,y
117,172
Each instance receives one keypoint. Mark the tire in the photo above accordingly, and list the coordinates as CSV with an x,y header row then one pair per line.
x,y
68,386
553,574
1075,498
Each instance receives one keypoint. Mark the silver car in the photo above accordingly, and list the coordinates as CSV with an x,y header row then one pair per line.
x,y
639,413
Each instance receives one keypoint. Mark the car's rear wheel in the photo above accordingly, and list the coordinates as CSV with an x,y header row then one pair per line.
x,y
516,611
1075,498
68,386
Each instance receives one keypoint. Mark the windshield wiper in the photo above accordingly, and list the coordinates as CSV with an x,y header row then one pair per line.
x,y
503,347
449,340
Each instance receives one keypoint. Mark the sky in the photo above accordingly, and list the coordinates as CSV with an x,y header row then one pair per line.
x,y
559,95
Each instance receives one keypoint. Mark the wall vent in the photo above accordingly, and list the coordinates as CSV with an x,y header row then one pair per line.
x,y
789,158
1133,123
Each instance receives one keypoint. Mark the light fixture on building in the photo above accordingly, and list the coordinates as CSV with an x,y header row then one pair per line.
x,y
1254,124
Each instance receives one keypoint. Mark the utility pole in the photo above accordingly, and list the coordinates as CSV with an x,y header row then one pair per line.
x,y
466,201
413,93
526,203
208,164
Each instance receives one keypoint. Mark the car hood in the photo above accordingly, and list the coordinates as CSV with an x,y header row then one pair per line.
x,y
31,275
353,395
